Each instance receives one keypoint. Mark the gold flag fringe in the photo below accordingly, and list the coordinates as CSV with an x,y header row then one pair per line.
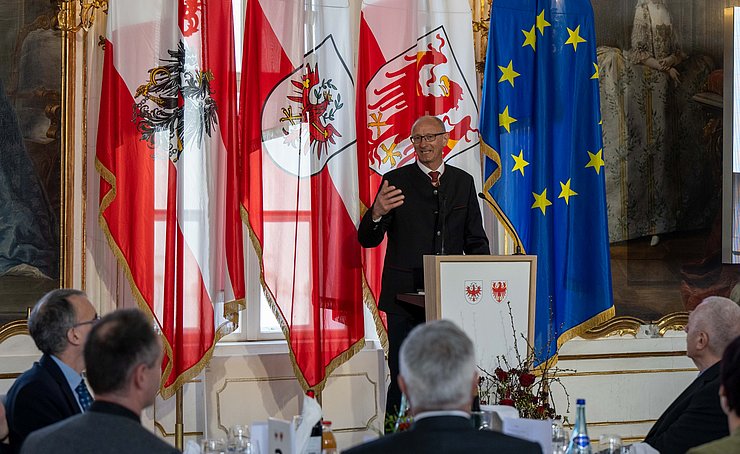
x,y
221,331
371,304
334,363
576,331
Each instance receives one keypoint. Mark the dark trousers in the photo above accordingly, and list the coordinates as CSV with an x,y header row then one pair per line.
x,y
399,326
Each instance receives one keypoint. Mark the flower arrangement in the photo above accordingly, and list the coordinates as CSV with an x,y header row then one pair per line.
x,y
522,386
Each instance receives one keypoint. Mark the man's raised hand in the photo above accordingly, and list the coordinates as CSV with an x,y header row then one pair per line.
x,y
388,198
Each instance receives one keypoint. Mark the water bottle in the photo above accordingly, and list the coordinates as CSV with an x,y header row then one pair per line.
x,y
580,443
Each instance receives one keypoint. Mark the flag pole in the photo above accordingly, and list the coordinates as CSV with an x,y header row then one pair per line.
x,y
179,434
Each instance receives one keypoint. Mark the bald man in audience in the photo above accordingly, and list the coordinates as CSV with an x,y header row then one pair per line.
x,y
53,389
729,400
124,357
696,417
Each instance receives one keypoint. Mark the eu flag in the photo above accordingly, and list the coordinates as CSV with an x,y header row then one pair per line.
x,y
543,158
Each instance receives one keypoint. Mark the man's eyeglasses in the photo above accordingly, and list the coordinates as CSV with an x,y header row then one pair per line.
x,y
89,322
416,140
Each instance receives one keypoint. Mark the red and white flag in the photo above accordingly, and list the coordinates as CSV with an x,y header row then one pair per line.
x,y
166,155
415,58
300,176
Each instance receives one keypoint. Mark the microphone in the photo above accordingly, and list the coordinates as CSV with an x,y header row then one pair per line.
x,y
517,244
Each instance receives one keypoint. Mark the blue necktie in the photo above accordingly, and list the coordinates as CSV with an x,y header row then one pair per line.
x,y
84,395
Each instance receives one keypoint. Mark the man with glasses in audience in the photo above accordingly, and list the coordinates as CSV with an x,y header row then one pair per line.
x,y
53,389
124,358
425,208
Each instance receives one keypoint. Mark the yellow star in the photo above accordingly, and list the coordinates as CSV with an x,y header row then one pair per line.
x,y
600,121
574,38
519,162
540,201
505,120
530,38
595,161
596,72
541,22
508,74
566,191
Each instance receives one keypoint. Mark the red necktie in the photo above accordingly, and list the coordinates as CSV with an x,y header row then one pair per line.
x,y
435,178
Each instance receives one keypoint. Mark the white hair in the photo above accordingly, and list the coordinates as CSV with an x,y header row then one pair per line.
x,y
719,317
437,363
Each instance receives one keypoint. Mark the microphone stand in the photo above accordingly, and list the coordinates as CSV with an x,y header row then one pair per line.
x,y
517,244
442,222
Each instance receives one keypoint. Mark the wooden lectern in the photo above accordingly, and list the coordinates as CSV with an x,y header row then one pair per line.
x,y
473,291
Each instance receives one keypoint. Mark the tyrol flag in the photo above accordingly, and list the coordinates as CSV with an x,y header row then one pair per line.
x,y
300,176
543,161
165,152
415,58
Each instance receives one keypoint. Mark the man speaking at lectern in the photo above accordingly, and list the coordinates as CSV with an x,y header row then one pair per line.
x,y
426,208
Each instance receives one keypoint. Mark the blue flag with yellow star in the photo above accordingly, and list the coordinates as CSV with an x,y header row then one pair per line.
x,y
543,161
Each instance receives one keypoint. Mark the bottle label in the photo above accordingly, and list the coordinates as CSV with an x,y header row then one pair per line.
x,y
582,440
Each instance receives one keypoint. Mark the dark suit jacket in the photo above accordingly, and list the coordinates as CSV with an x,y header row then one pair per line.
x,y
447,435
104,429
694,418
413,228
38,398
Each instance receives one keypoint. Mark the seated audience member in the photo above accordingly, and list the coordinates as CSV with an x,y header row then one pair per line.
x,y
729,400
695,417
438,375
124,356
4,432
53,389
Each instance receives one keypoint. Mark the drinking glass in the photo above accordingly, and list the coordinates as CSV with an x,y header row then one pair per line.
x,y
559,437
610,444
243,446
213,446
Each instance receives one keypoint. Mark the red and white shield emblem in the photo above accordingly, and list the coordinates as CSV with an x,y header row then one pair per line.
x,y
498,290
473,291
423,80
303,119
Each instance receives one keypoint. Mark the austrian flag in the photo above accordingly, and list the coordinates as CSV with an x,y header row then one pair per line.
x,y
166,155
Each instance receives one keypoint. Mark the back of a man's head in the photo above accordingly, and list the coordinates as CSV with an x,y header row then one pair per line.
x,y
719,317
437,364
51,318
730,376
117,344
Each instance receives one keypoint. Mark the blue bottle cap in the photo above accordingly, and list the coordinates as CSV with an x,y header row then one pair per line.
x,y
581,402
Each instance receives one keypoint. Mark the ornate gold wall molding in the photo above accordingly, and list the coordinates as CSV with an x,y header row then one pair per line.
x,y
11,329
68,20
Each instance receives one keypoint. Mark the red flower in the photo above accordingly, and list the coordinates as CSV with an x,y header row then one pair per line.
x,y
501,374
526,380
508,402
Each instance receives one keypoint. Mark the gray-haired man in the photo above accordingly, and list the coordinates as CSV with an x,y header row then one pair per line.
x,y
439,377
53,389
